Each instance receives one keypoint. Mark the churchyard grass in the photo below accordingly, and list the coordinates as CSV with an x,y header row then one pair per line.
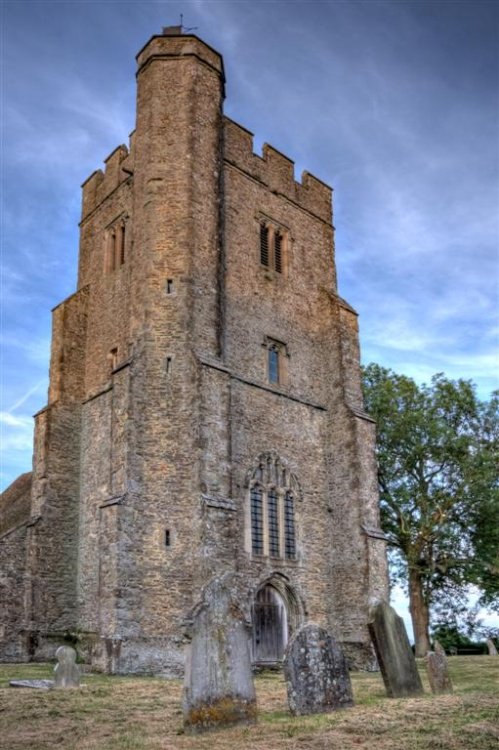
x,y
131,713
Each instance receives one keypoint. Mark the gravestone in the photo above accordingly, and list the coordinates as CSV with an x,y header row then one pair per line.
x,y
492,648
394,653
438,673
218,683
66,671
36,684
438,648
316,673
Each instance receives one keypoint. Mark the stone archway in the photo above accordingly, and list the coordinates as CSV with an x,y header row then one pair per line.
x,y
276,613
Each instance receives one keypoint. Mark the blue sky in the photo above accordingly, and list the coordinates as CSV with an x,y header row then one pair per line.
x,y
395,104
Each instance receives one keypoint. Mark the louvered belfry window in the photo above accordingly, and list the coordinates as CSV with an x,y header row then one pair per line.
x,y
278,252
272,518
264,245
272,244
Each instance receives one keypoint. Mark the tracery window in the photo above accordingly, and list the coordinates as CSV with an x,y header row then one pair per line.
x,y
273,491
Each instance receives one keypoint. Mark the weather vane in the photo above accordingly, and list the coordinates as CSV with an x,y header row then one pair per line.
x,y
183,28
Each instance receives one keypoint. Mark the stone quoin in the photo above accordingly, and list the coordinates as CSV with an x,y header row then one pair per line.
x,y
204,412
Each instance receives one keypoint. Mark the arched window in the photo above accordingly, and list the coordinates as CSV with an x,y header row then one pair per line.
x,y
289,526
115,245
257,520
272,512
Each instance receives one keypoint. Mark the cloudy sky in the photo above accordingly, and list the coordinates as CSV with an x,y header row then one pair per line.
x,y
395,104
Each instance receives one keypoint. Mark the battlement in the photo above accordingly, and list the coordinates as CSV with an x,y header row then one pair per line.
x,y
100,184
276,171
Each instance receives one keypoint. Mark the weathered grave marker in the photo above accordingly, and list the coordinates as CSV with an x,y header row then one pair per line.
x,y
393,651
438,648
218,684
36,684
316,673
492,648
66,671
438,672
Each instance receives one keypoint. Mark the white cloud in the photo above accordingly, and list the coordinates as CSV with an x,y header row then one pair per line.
x,y
16,434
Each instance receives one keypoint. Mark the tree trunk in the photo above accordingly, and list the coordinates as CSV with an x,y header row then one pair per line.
x,y
420,615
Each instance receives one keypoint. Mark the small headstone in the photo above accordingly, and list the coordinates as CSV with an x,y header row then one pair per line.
x,y
316,673
37,684
66,671
438,648
394,653
218,683
492,648
438,673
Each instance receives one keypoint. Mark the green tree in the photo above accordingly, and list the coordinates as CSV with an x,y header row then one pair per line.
x,y
437,453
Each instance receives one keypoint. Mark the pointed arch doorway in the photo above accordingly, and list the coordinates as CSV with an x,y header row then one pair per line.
x,y
270,626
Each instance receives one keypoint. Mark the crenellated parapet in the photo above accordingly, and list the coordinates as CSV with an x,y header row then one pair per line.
x,y
100,184
276,171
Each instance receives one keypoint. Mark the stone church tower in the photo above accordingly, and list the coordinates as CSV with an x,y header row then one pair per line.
x,y
204,411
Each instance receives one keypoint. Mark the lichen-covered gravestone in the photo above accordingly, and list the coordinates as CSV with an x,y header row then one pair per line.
x,y
66,671
393,651
218,684
492,648
438,673
316,673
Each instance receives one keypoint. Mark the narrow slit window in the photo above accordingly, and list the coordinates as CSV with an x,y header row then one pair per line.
x,y
113,358
168,539
168,365
289,527
169,286
122,244
257,521
112,251
264,245
273,364
273,517
278,252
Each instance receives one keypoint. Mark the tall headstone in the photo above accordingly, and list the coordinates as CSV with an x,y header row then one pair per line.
x,y
66,671
438,672
394,653
492,648
316,673
218,683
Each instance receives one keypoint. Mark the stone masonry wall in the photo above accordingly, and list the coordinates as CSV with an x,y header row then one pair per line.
x,y
14,520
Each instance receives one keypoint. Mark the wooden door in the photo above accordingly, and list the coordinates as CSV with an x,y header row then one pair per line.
x,y
269,627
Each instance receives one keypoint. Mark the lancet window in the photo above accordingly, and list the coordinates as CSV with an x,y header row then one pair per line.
x,y
115,251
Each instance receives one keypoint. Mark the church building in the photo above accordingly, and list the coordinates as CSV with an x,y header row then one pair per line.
x,y
204,411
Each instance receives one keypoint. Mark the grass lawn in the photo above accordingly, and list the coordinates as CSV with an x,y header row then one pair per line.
x,y
110,713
